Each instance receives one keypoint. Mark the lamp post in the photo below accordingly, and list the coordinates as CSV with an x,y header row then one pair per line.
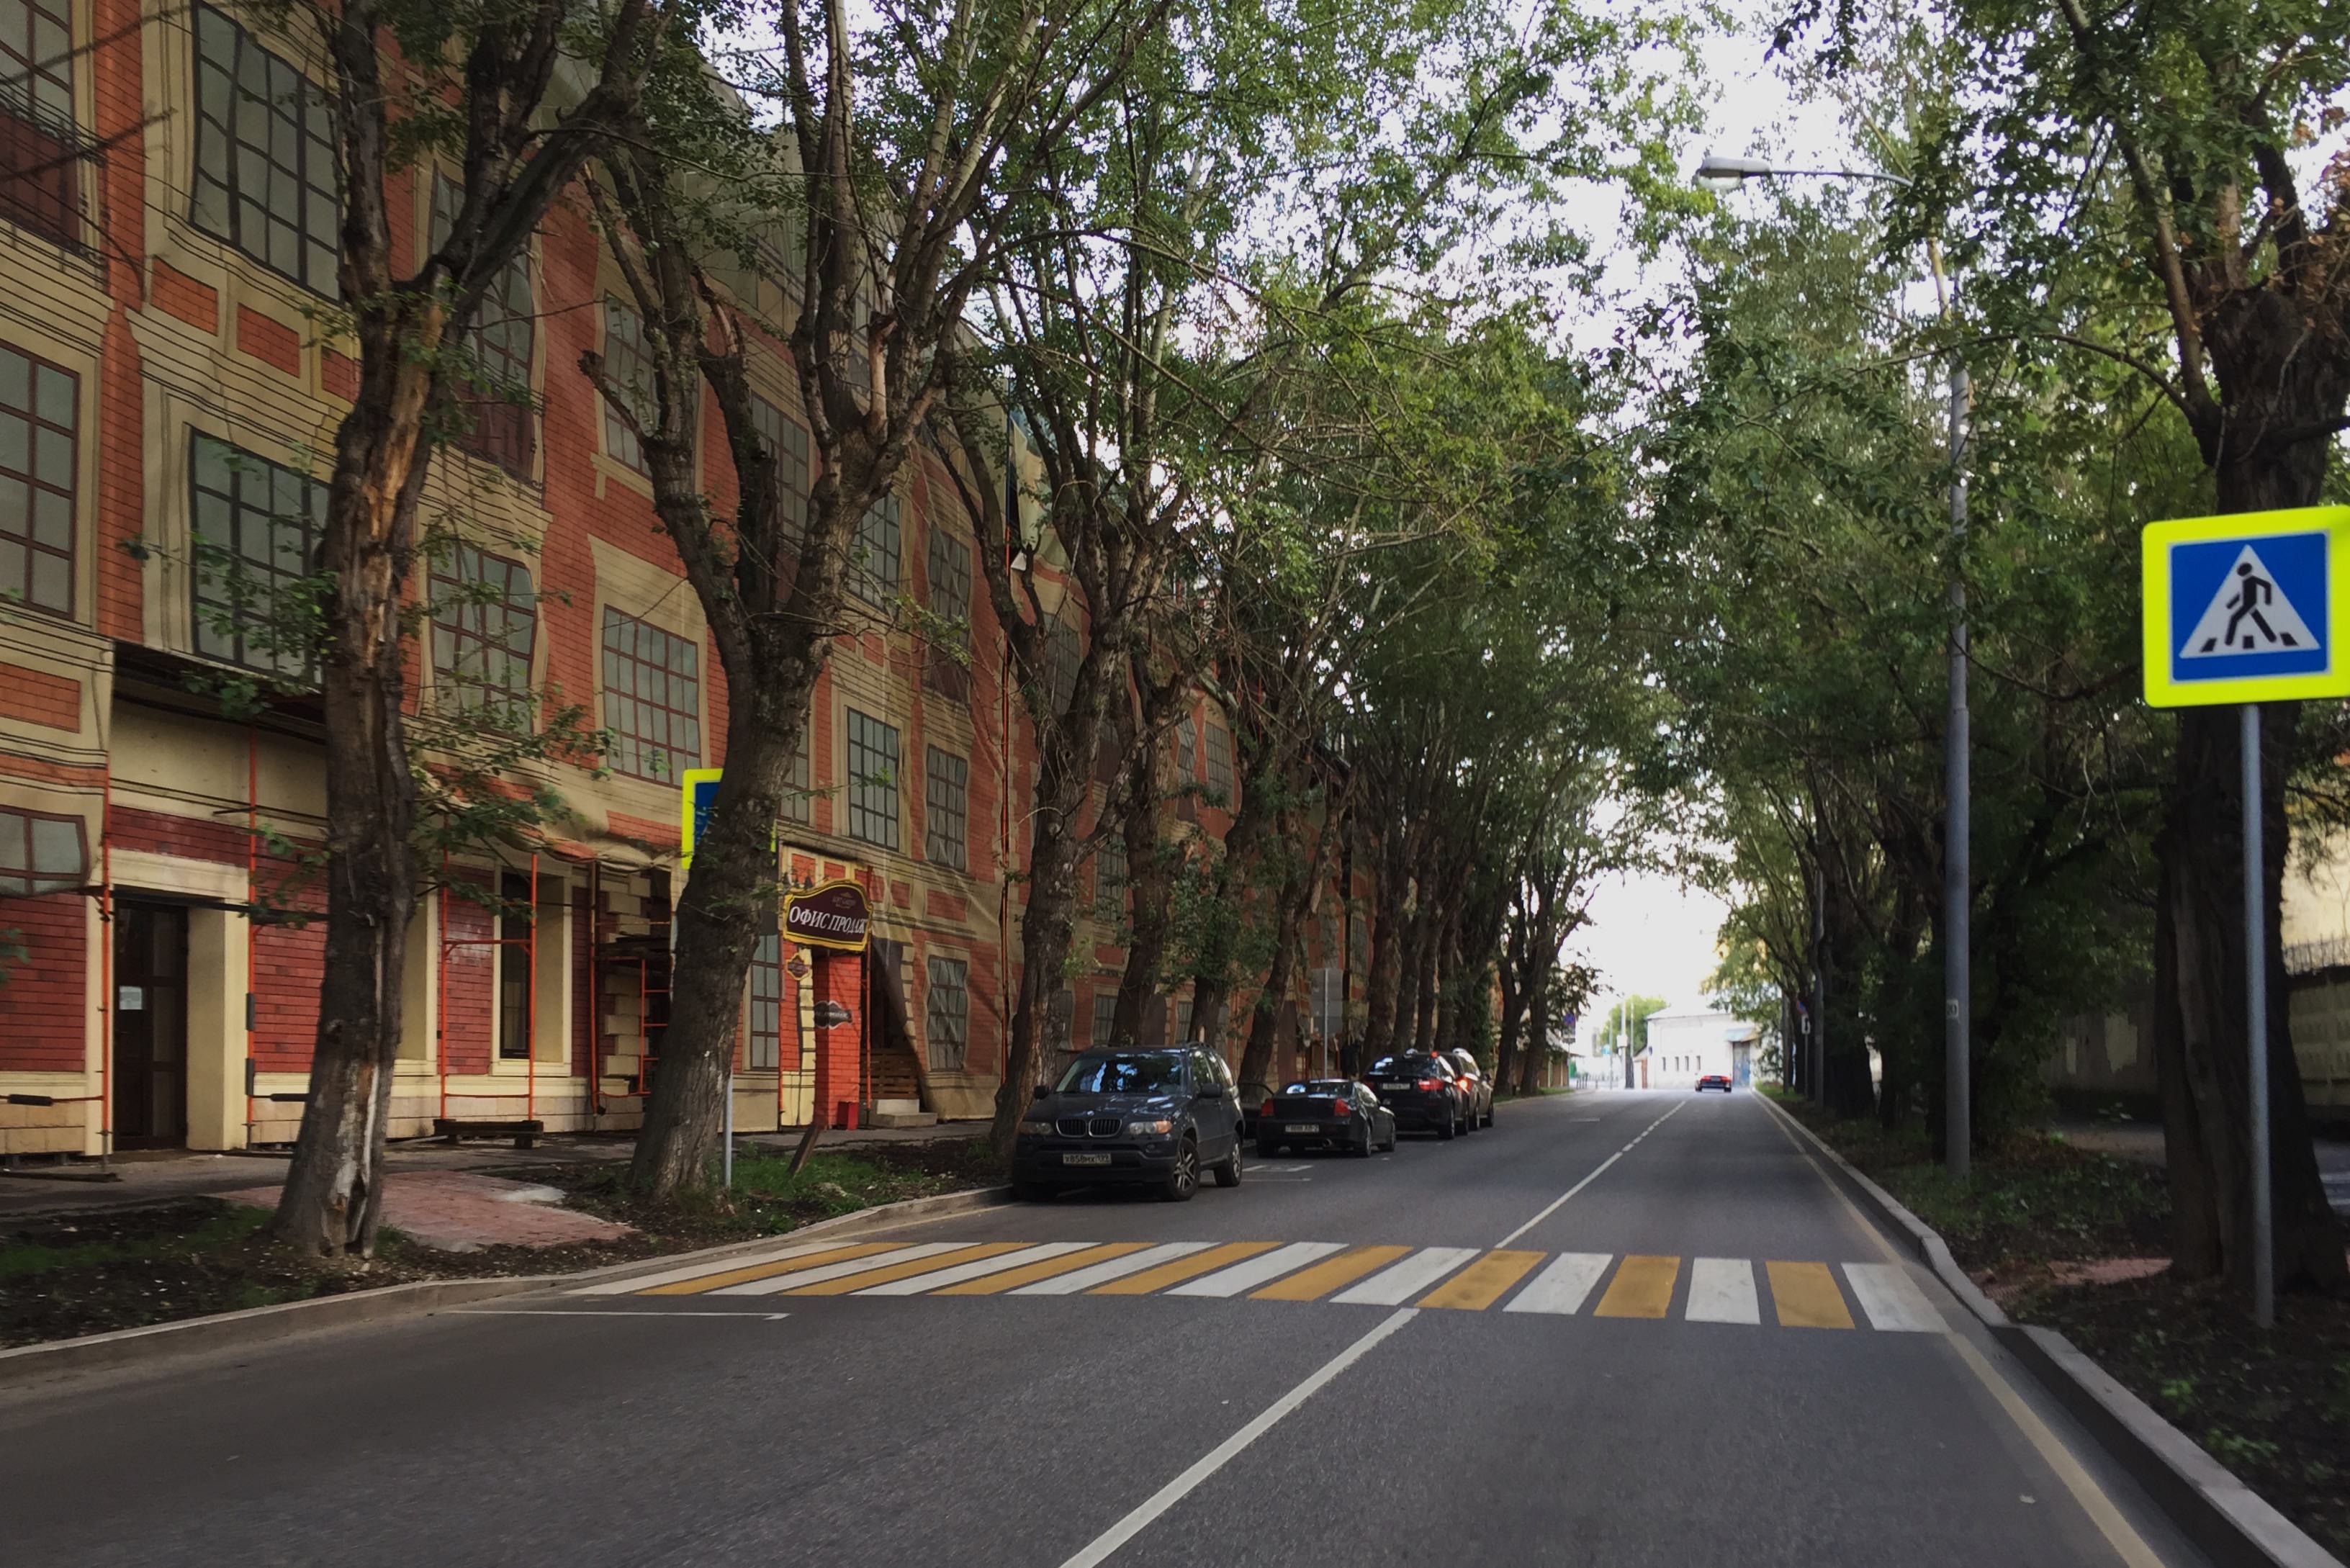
x,y
1719,173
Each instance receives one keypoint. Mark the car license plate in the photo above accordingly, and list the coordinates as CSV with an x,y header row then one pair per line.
x,y
1084,1159
1301,1127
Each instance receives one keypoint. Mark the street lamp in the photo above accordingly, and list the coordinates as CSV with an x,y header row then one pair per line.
x,y
1724,174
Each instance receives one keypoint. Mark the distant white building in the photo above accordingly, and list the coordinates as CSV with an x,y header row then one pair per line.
x,y
1686,1044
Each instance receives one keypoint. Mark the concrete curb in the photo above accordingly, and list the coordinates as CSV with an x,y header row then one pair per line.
x,y
2210,1507
30,1363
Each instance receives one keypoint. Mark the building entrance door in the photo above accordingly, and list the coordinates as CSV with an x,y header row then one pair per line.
x,y
151,1024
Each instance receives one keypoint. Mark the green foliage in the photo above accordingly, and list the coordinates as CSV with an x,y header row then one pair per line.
x,y
1631,1013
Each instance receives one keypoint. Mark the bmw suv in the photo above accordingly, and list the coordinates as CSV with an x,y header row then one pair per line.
x,y
1149,1118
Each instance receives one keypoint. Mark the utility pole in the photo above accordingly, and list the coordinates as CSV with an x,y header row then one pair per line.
x,y
1958,891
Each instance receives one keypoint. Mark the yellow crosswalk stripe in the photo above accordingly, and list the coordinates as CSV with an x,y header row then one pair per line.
x,y
1029,1274
1482,1282
888,1272
1182,1268
1312,1284
720,1280
1643,1287
1807,1297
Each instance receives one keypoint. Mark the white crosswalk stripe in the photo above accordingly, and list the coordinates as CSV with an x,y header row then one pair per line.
x,y
1721,1289
1562,1287
956,1273
1087,1278
841,1270
1406,1277
1892,1299
635,1282
1256,1271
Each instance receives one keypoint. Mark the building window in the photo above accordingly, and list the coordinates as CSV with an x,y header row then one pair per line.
x,y
513,966
1105,1019
627,366
789,443
265,173
1110,878
38,416
764,1049
1187,761
256,527
483,619
799,796
1062,656
1183,1022
1219,762
41,145
946,827
653,699
950,569
1060,1008
872,781
873,568
947,1014
40,854
497,393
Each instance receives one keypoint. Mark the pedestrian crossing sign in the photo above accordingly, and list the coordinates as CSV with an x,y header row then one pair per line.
x,y
2247,609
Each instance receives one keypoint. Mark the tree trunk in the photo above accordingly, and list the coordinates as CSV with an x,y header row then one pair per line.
x,y
1506,1051
1264,1020
1150,881
733,879
1047,925
1212,973
1379,981
1413,938
1530,1063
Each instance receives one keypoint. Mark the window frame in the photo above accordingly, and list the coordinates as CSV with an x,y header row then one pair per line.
x,y
1218,768
516,1024
947,978
39,113
1101,1029
880,536
446,622
503,428
620,441
762,1043
788,445
940,845
615,618
228,227
240,462
1109,889
867,787
948,564
36,884
36,482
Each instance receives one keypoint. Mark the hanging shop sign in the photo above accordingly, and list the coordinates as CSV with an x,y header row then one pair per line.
x,y
829,915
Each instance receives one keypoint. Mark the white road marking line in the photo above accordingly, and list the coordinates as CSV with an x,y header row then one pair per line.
x,y
956,1273
1104,1545
1721,1289
1892,1299
1560,1289
1401,1281
841,1270
602,1312
1084,1279
695,1270
1256,1271
1559,1202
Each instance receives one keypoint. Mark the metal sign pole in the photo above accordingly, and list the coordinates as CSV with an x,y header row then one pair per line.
x,y
2256,1023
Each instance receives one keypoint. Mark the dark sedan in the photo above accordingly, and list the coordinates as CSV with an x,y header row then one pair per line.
x,y
1422,1090
1714,1081
1325,1113
1475,1087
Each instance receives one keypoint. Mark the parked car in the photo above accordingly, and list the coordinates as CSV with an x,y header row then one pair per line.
x,y
1714,1081
1325,1113
1422,1090
1155,1117
1477,1086
1252,1099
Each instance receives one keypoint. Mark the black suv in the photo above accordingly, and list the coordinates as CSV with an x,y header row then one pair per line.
x,y
1135,1118
1424,1091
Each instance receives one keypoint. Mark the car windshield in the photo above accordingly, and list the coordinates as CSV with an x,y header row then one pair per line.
x,y
1318,1087
1408,1067
1123,1076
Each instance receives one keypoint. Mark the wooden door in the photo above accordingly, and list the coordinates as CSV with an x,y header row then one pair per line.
x,y
151,1024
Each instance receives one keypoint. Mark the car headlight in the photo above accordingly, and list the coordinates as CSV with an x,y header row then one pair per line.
x,y
1160,1128
1036,1129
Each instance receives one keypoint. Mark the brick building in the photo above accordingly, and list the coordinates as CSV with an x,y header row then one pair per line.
x,y
167,214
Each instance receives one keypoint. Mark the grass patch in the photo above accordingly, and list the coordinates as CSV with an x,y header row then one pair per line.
x,y
30,1255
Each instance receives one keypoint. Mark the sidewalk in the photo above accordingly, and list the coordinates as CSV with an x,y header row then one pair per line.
x,y
159,1176
2142,1141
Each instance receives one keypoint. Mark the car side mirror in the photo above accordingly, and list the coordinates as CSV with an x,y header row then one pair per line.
x,y
1211,1091
1039,1092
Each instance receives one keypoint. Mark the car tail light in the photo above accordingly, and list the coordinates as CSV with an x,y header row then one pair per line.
x,y
1427,1085
1267,1110
1340,1108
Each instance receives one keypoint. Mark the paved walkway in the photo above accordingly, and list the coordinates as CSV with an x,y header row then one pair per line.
x,y
2142,1140
463,1211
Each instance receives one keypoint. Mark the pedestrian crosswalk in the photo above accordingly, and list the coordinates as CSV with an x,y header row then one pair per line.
x,y
1771,1292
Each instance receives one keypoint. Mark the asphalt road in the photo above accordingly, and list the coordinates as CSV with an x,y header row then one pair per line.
x,y
1550,1392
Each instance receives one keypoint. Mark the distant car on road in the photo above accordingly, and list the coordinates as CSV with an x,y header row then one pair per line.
x,y
1476,1087
1325,1113
1252,1099
1422,1090
1714,1081
1154,1118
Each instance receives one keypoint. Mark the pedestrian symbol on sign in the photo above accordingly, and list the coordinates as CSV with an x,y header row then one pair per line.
x,y
2247,614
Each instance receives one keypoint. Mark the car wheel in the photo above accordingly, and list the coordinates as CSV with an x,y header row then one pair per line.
x,y
1388,1147
1184,1180
1447,1130
1228,1169
1489,1115
1362,1149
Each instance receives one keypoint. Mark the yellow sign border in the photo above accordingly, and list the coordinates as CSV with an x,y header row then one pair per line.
x,y
2154,608
686,781
784,915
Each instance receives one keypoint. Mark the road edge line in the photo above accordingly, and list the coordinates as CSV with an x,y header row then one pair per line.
x,y
2212,1508
24,1366
1103,1547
